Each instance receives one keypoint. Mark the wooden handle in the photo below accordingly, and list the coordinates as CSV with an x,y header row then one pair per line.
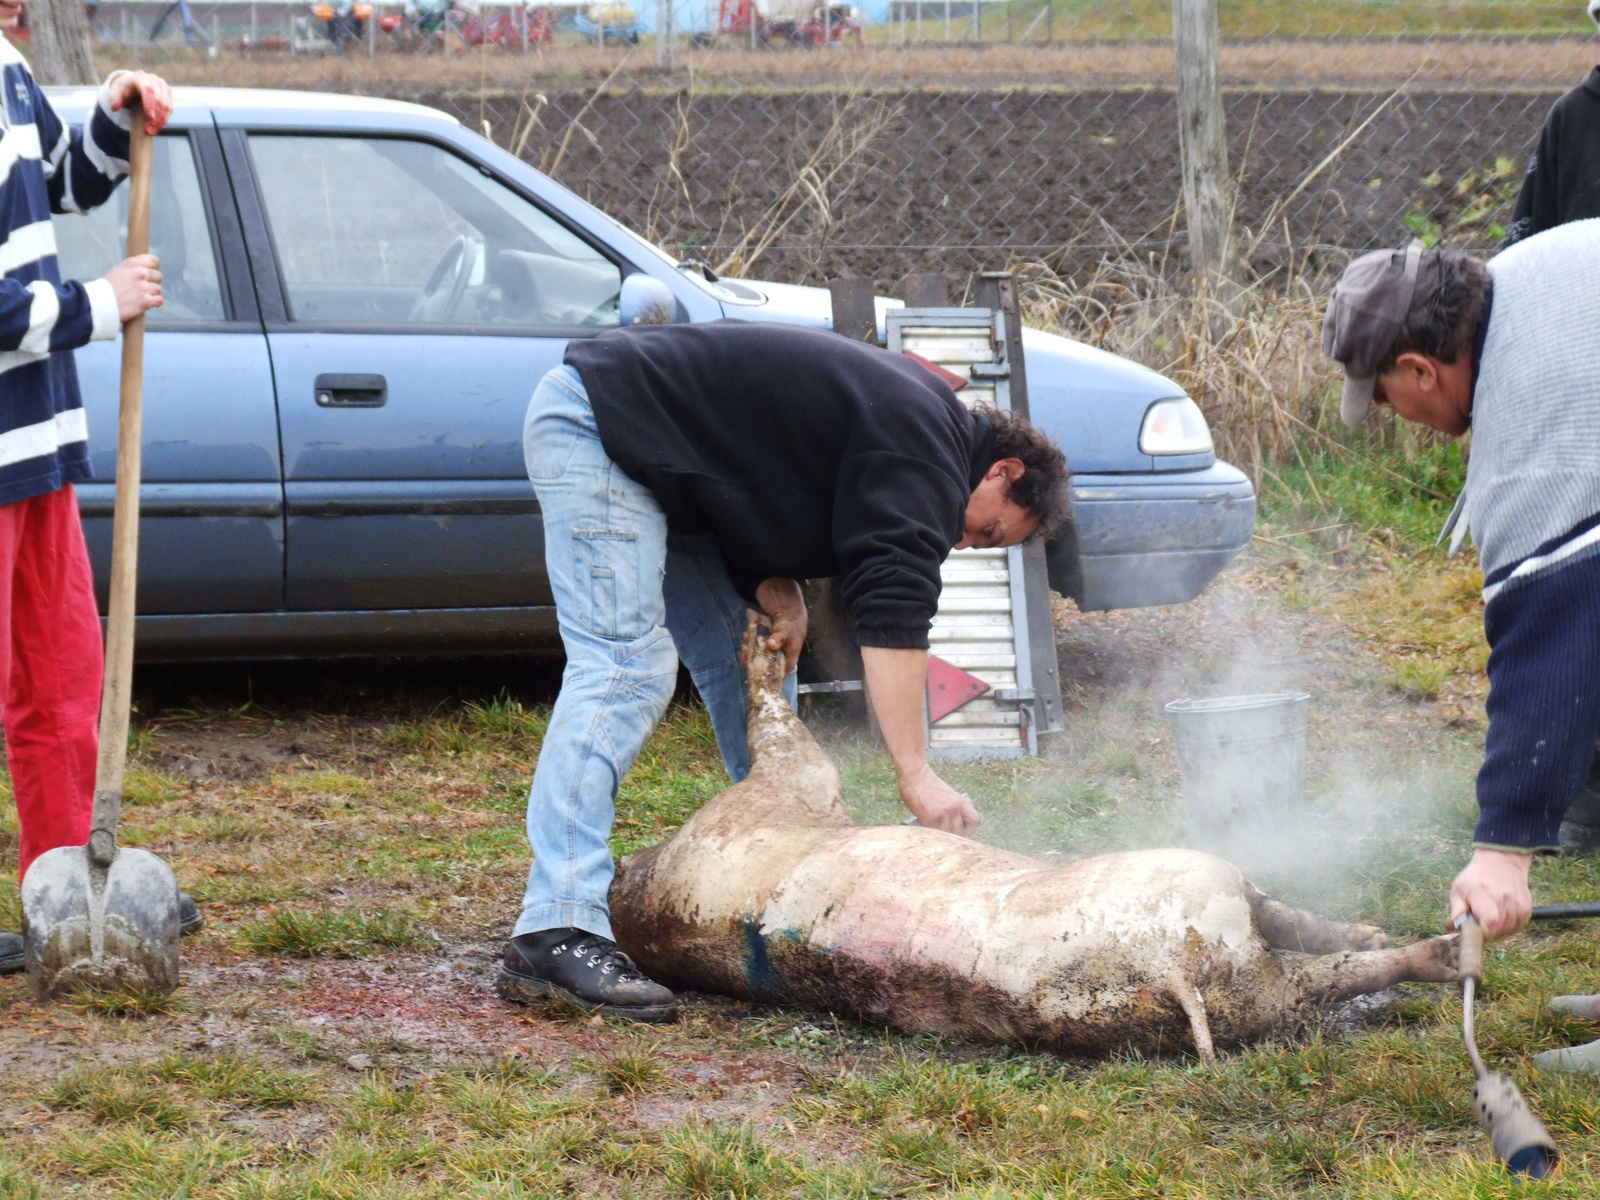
x,y
116,696
1469,955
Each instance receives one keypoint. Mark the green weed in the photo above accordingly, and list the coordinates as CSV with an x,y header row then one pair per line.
x,y
143,786
236,1079
119,1094
1419,678
721,1162
633,1072
327,933
137,1003
1399,500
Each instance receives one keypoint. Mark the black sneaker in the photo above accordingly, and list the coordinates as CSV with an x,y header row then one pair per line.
x,y
190,919
1580,828
1578,840
11,959
584,968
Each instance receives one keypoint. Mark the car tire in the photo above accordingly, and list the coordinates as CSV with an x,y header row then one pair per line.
x,y
1064,566
831,635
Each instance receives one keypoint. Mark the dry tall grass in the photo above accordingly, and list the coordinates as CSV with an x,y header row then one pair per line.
x,y
1254,365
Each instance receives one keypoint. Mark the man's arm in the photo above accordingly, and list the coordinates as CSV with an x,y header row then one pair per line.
x,y
1538,201
1544,709
896,682
83,166
41,316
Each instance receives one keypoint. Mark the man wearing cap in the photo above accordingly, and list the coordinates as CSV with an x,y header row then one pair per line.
x,y
1510,350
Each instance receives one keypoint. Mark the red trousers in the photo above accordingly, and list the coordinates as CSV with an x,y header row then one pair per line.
x,y
50,663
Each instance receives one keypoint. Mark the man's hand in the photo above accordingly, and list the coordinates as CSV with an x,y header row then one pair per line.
x,y
155,97
896,683
1494,889
936,804
137,284
782,600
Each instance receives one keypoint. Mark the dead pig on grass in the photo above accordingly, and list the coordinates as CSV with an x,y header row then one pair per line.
x,y
771,892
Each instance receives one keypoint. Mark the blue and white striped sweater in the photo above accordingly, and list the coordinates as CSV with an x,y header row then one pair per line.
x,y
47,167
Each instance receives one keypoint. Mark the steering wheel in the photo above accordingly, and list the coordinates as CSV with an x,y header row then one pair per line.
x,y
456,263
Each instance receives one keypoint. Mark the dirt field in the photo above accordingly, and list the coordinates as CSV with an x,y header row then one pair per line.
x,y
954,181
354,836
1450,60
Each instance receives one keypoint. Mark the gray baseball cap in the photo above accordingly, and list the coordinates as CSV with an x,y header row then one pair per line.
x,y
1365,315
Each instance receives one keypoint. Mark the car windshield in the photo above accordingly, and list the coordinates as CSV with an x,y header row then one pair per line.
x,y
396,231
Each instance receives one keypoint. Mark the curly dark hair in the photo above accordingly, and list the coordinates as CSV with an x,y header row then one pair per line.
x,y
1451,287
1042,488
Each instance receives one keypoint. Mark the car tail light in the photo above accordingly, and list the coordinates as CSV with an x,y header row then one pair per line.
x,y
1175,427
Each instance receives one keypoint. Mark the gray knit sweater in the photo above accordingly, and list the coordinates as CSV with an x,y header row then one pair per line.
x,y
1534,472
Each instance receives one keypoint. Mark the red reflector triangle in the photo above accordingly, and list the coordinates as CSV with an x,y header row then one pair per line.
x,y
955,381
949,688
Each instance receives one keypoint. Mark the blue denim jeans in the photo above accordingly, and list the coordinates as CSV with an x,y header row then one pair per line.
x,y
630,601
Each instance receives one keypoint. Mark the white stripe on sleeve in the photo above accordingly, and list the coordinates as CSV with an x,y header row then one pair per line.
x,y
42,314
20,143
45,437
27,244
103,310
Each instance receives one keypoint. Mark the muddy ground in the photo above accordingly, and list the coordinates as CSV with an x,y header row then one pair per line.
x,y
353,832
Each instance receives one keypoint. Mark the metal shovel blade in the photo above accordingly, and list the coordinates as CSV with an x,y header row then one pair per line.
x,y
112,928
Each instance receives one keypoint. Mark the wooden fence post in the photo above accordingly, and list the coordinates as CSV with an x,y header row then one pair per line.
x,y
855,312
1208,194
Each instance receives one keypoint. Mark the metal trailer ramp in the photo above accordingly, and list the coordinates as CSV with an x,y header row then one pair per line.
x,y
993,620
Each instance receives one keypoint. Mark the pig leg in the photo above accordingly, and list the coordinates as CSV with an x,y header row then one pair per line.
x,y
1357,972
1193,1003
1286,928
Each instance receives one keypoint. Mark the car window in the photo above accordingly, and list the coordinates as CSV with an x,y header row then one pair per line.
x,y
393,231
89,246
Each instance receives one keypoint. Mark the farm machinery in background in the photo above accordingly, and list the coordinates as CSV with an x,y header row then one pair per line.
x,y
343,23
802,22
601,23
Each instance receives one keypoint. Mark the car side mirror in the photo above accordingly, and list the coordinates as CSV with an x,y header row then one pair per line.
x,y
646,301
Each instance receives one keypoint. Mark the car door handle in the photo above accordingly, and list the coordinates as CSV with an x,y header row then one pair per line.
x,y
351,391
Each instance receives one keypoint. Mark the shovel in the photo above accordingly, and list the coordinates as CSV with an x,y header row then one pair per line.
x,y
98,916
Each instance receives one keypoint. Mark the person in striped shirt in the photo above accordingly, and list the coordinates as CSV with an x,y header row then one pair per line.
x,y
50,652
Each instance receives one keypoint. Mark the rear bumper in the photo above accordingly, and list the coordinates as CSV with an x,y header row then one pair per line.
x,y
1143,540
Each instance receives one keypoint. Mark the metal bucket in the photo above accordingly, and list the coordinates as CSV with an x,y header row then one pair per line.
x,y
1243,760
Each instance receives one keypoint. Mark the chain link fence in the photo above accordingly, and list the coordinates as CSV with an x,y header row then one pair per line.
x,y
941,137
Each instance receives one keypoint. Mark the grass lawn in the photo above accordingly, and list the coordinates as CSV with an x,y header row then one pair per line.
x,y
354,835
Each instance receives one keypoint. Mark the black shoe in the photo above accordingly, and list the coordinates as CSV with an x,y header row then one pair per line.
x,y
190,919
1580,830
11,960
1579,841
587,970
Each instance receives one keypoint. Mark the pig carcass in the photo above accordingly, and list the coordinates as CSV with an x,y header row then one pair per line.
x,y
771,892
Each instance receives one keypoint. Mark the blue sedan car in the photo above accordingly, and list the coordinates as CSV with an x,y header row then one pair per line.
x,y
361,296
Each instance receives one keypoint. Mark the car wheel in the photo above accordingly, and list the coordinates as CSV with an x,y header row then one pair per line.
x,y
831,635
